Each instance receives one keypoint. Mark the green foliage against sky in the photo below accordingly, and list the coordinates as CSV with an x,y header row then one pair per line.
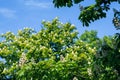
x,y
89,13
53,53
57,53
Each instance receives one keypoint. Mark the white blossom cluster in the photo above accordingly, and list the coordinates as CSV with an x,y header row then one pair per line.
x,y
23,59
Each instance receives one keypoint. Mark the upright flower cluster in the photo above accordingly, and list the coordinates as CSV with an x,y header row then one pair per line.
x,y
22,59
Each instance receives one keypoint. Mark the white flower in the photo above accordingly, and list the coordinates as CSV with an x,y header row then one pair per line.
x,y
89,62
89,71
23,59
75,78
62,58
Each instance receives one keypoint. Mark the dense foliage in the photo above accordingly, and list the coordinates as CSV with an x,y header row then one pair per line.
x,y
89,13
57,53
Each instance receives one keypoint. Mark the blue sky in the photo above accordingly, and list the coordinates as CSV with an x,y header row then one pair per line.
x,y
17,14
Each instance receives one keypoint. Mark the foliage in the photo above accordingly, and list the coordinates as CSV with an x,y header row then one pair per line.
x,y
91,38
88,13
116,19
106,65
53,53
57,53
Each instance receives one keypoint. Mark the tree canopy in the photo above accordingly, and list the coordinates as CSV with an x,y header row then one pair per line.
x,y
89,13
56,52
52,53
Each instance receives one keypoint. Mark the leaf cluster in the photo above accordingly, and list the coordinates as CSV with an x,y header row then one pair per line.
x,y
89,13
57,53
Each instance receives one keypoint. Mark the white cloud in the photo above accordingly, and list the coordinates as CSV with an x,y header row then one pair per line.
x,y
35,3
7,13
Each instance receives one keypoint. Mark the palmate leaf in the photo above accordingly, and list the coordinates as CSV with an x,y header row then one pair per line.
x,y
91,13
77,1
65,3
